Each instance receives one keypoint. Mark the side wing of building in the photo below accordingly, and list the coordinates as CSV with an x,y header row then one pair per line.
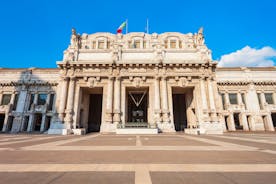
x,y
248,98
27,99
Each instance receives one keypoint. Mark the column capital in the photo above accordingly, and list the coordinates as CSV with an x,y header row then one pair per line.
x,y
118,78
202,77
73,78
64,78
157,77
111,78
164,77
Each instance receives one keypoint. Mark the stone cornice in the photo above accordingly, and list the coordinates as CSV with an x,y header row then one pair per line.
x,y
78,64
271,82
28,83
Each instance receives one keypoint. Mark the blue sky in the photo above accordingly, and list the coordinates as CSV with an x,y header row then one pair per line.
x,y
35,33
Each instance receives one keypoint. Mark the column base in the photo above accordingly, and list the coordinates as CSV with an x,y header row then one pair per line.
x,y
211,128
165,127
60,129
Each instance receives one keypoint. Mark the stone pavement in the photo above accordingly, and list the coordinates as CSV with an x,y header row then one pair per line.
x,y
140,159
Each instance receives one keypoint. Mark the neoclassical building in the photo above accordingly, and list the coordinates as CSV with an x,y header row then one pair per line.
x,y
137,83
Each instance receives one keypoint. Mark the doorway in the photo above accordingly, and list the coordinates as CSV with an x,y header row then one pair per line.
x,y
238,126
273,116
95,112
37,122
137,105
179,112
2,119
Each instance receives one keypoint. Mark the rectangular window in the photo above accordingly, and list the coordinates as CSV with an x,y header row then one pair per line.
x,y
233,98
31,101
6,98
243,100
137,44
269,98
223,100
166,44
41,99
93,45
260,101
100,44
172,44
15,102
108,44
51,102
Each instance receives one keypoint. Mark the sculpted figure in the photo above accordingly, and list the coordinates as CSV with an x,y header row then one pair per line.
x,y
191,117
199,37
75,38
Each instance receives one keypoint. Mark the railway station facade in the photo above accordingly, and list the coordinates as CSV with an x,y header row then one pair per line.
x,y
168,82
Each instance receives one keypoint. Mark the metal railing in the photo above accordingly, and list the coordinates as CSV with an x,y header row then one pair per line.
x,y
136,125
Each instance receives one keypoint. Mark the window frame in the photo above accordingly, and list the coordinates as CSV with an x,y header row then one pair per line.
x,y
7,102
235,102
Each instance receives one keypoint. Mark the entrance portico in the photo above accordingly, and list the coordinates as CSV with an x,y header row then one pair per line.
x,y
159,85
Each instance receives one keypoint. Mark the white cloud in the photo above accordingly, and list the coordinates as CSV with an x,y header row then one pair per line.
x,y
248,56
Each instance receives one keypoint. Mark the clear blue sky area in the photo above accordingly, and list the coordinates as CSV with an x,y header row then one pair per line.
x,y
34,33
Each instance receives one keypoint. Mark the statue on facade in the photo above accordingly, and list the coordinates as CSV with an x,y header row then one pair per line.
x,y
75,39
200,37
191,117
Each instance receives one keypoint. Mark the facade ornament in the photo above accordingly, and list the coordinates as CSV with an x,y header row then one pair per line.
x,y
199,37
183,82
137,82
75,39
91,83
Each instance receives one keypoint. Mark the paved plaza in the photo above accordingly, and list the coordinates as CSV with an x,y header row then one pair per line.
x,y
140,159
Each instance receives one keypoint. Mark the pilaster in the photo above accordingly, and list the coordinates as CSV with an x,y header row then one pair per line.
x,y
109,100
70,102
212,101
157,109
117,101
164,99
62,97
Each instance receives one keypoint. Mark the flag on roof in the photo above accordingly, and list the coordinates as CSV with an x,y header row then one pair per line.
x,y
122,26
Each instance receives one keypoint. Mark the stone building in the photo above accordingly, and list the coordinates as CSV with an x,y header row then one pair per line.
x,y
137,81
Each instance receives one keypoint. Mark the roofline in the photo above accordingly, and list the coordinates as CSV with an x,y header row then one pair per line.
x,y
271,68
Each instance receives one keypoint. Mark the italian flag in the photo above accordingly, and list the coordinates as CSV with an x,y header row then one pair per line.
x,y
122,26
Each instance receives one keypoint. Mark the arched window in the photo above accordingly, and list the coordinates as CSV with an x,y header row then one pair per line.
x,y
137,43
172,43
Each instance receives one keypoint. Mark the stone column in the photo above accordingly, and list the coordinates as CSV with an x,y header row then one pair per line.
x,y
70,102
239,98
243,120
212,101
1,96
35,98
203,97
76,107
48,100
251,123
31,122
62,98
165,107
230,122
157,109
12,99
109,100
43,120
263,101
117,100
227,101
268,123
274,97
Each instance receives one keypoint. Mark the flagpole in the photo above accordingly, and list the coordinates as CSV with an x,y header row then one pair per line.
x,y
126,26
147,26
